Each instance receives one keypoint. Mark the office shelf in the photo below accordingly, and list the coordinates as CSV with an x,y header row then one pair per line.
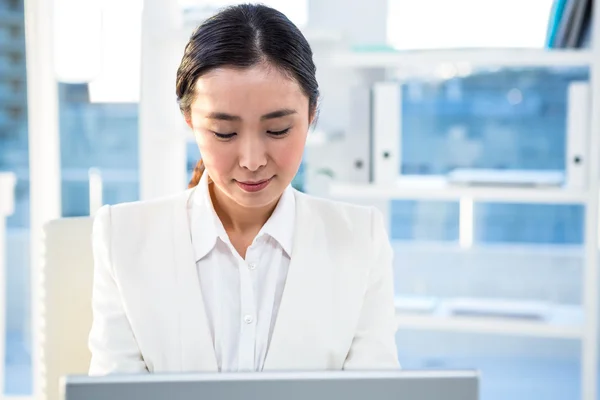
x,y
472,57
573,251
438,189
561,322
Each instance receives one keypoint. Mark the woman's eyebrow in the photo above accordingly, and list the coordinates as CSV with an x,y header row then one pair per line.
x,y
223,116
278,114
272,115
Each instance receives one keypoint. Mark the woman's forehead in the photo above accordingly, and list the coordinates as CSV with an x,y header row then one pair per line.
x,y
233,88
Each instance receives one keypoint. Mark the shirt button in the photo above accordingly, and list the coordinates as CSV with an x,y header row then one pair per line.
x,y
252,266
248,319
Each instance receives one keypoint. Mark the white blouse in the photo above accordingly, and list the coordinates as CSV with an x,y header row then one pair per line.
x,y
241,297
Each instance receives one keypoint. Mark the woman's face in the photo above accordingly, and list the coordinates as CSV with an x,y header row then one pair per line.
x,y
251,126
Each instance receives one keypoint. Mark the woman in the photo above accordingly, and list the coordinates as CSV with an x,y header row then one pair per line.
x,y
241,272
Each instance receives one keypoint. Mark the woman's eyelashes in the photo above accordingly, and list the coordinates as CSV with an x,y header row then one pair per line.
x,y
227,136
279,133
224,136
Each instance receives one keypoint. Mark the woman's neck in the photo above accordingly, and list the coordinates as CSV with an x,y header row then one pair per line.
x,y
237,219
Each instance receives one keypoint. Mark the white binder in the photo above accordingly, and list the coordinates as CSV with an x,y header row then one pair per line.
x,y
577,135
357,158
387,132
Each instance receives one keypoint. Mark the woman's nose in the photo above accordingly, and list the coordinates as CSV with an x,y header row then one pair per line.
x,y
253,154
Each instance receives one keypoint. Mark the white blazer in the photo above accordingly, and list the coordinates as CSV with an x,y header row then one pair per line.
x,y
337,309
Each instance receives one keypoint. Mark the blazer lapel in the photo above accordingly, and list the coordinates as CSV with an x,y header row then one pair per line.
x,y
302,325
197,350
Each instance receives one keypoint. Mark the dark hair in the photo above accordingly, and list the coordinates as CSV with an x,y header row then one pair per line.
x,y
243,36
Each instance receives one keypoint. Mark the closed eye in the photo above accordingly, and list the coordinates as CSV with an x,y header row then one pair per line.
x,y
224,136
278,133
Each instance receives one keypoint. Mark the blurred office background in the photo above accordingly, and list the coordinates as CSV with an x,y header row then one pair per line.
x,y
491,224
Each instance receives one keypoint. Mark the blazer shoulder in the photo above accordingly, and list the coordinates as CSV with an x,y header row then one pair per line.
x,y
343,217
139,211
134,222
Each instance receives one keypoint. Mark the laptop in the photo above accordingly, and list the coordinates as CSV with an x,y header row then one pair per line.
x,y
343,385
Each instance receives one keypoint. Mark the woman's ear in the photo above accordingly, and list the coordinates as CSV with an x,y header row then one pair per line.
x,y
312,118
188,119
